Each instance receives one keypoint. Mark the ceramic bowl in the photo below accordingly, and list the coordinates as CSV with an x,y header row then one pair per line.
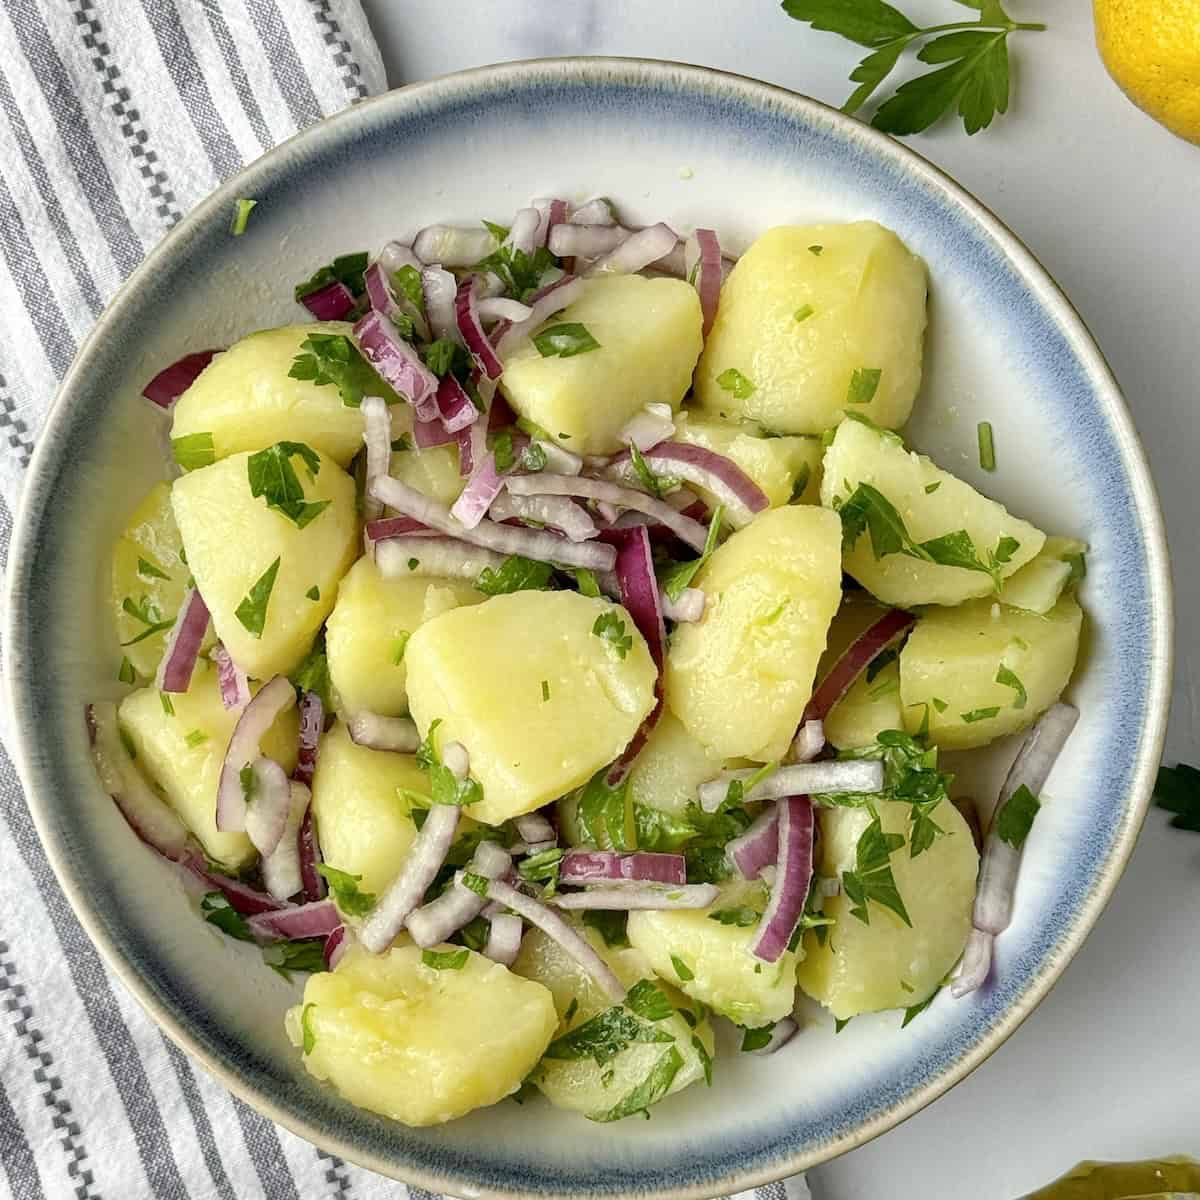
x,y
690,146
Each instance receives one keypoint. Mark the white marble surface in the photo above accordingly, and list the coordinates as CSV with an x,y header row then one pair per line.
x,y
1109,1065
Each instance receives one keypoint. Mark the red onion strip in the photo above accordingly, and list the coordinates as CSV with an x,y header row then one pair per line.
x,y
476,498
472,447
268,808
377,434
585,241
758,847
434,922
319,919
171,382
242,898
466,312
312,881
976,964
456,408
708,277
183,644
808,743
579,867
312,723
841,775
559,512
715,473
397,362
689,606
396,734
439,288
395,255
336,945
859,655
257,717
543,305
533,827
235,687
596,211
644,897
794,868
430,433
453,246
393,527
448,558
496,308
281,872
330,303
654,424
636,252
424,860
504,939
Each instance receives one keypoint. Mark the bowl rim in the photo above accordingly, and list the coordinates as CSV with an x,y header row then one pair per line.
x,y
643,71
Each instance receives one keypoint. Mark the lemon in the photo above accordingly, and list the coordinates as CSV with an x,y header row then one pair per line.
x,y
1152,49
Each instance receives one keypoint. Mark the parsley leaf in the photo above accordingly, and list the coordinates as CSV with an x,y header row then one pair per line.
x,y
987,446
800,483
542,868
756,1038
333,359
609,627
911,1013
646,477
126,674
272,475
444,786
346,893
604,1036
252,612
515,574
346,268
652,1089
312,675
241,216
1015,819
219,912
979,714
603,813
447,357
864,383
564,341
521,273
586,582
803,313
872,878
306,1030
742,917
147,570
1009,679
676,578
682,970
610,925
445,960
407,281
1177,789
648,1000
194,450
284,957
733,381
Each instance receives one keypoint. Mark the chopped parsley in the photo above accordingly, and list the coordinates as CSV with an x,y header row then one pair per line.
x,y
167,704
840,1023
1015,818
196,737
742,916
346,894
652,1089
648,1000
610,925
676,578
346,268
682,970
533,457
603,814
872,878
313,593
572,1009
502,451
445,786
864,383
127,674
445,960
542,868
816,250
216,910
306,1030
733,381
520,272
930,488
407,281
285,957
564,341
911,1013
515,574
611,629
241,215
756,1038
646,477
273,477
312,675
1078,565
938,704
476,883
194,450
586,582
804,312
448,357
545,690
604,1036
987,446
800,483
1177,790
252,612
333,359
147,570
399,644
881,660
979,714
1009,679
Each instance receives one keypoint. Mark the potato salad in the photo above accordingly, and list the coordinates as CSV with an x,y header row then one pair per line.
x,y
541,651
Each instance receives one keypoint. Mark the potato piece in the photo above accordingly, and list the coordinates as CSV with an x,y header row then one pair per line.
x,y
885,964
649,335
232,539
540,701
804,309
670,767
582,1084
786,468
860,454
369,627
246,399
1039,583
418,1044
725,975
953,658
739,679
148,577
433,471
182,754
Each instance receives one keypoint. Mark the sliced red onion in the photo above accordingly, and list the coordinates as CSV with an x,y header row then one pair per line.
x,y
559,512
330,303
497,308
381,299
183,644
557,213
241,896
394,527
439,288
424,860
558,460
312,881
794,869
585,241
553,926
689,606
257,717
543,304
456,760
636,252
654,424
235,687
336,944
430,433
395,255
840,775
377,434
171,382
448,558
597,211
545,483
455,407
522,234
641,897
758,847
319,919
855,659
781,1034
808,743
267,812
148,815
434,922
504,539
579,867
976,964
673,263
312,723
476,498
828,886
533,828
397,362
466,312
472,447
281,873
453,246
742,497
532,848
504,939
708,265
396,734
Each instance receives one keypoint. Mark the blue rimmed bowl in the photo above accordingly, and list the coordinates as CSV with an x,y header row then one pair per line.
x,y
691,146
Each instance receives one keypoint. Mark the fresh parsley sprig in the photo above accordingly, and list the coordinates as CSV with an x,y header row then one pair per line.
x,y
971,58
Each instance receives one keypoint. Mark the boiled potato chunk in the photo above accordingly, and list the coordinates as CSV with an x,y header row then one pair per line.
x,y
246,400
369,627
149,577
885,964
540,700
869,705
182,753
1039,583
582,1084
725,975
232,539
418,1044
670,767
985,670
786,468
804,310
860,454
739,678
649,335
432,471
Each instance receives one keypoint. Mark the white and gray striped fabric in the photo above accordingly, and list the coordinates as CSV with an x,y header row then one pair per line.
x,y
118,117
